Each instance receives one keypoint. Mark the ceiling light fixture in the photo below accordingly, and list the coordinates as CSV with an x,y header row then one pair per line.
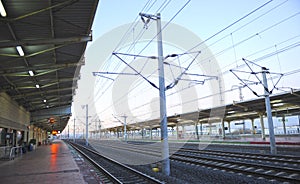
x,y
31,73
20,50
45,100
278,104
37,86
2,10
276,101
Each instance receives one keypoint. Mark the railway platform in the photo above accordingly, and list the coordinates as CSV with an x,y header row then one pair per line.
x,y
281,140
54,163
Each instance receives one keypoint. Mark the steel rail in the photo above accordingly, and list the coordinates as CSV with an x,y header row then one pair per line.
x,y
114,178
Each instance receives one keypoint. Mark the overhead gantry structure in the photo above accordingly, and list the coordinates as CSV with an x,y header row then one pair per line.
x,y
42,45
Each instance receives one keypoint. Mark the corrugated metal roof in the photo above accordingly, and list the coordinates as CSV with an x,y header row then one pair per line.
x,y
53,35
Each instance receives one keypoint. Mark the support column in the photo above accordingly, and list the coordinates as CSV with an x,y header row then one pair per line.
x,y
229,126
283,123
261,117
25,138
68,132
223,128
87,125
210,130
196,130
74,133
125,130
151,137
269,112
298,129
244,127
172,131
99,127
177,131
201,128
253,127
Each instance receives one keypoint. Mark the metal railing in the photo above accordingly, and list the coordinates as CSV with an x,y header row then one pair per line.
x,y
8,152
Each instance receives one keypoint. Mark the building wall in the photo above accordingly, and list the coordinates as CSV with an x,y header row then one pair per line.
x,y
12,115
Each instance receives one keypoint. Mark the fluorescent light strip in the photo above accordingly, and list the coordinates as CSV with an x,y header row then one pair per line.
x,y
278,104
20,50
31,73
2,10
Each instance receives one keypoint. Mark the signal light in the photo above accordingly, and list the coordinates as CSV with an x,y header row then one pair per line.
x,y
51,120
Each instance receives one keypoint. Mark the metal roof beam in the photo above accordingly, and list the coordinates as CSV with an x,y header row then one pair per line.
x,y
50,99
42,93
40,67
31,85
39,70
58,5
54,41
49,80
56,111
51,105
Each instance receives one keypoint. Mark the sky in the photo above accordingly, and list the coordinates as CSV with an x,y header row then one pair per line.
x,y
225,32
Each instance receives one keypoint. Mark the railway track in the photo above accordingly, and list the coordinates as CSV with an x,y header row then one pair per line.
x,y
283,174
275,160
281,168
112,171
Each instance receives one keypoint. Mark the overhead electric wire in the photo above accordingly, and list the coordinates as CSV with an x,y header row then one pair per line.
x,y
120,99
165,25
163,6
246,85
146,8
189,87
133,23
277,52
169,22
143,30
263,50
239,28
168,2
147,88
250,37
235,22
260,51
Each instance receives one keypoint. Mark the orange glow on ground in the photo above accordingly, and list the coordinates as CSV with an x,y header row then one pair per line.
x,y
53,159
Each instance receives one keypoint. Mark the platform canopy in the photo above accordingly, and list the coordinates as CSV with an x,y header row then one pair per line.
x,y
283,105
42,44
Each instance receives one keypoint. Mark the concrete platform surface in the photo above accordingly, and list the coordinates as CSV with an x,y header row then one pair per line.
x,y
47,164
